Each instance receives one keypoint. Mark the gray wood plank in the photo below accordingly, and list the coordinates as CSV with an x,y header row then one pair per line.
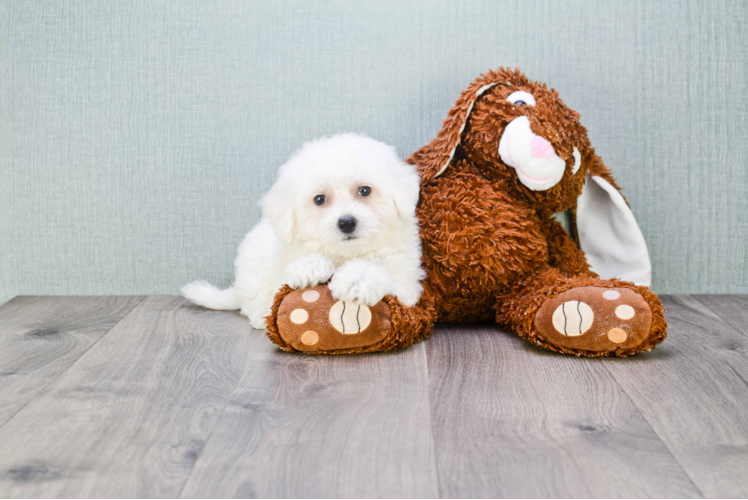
x,y
513,420
131,416
693,390
732,309
323,426
40,337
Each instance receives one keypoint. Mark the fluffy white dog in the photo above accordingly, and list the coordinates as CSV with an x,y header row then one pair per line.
x,y
342,208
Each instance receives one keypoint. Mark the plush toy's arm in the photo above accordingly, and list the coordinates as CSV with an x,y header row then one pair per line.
x,y
563,253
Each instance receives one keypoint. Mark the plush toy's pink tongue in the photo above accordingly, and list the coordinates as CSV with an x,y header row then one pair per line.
x,y
540,148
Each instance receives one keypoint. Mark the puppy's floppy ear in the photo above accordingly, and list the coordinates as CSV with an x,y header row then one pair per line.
x,y
434,158
607,230
406,188
277,206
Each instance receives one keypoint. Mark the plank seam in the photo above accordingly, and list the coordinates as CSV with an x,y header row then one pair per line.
x,y
215,425
136,306
717,315
667,447
654,430
431,421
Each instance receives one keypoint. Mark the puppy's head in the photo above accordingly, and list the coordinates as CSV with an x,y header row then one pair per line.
x,y
341,195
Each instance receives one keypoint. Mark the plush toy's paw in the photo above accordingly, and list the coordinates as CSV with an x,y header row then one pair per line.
x,y
309,270
311,320
594,320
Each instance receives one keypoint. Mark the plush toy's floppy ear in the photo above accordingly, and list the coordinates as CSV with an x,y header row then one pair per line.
x,y
434,158
608,232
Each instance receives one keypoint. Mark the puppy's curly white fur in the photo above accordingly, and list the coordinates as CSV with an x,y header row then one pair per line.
x,y
342,210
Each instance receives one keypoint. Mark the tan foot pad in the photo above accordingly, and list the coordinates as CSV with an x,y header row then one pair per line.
x,y
595,319
311,320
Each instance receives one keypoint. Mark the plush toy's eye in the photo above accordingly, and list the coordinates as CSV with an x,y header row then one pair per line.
x,y
521,98
364,191
320,199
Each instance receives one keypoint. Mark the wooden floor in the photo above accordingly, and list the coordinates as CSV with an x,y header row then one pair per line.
x,y
154,397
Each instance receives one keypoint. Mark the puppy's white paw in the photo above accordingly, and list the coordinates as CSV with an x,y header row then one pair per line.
x,y
362,282
309,270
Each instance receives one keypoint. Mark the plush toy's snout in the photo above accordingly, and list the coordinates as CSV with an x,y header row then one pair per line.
x,y
540,148
538,165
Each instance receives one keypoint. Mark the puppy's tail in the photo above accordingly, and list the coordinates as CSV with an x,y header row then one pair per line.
x,y
204,294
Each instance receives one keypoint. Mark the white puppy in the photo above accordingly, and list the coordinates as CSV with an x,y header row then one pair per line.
x,y
342,208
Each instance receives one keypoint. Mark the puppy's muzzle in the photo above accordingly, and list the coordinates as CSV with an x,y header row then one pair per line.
x,y
347,224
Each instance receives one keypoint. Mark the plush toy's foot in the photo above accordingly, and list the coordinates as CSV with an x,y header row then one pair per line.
x,y
596,321
583,315
311,320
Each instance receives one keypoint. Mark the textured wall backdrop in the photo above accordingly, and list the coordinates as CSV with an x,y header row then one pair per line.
x,y
136,136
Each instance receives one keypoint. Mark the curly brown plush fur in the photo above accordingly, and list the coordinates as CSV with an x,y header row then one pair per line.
x,y
491,249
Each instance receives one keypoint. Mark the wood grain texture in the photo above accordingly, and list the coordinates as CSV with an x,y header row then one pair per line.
x,y
40,337
512,420
131,416
176,400
693,390
323,426
732,309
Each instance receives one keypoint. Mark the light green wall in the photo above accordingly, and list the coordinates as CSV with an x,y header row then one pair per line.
x,y
136,136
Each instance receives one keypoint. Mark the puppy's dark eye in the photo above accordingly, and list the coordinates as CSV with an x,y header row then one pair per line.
x,y
519,103
320,199
364,191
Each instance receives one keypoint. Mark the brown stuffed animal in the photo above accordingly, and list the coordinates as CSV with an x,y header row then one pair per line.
x,y
509,156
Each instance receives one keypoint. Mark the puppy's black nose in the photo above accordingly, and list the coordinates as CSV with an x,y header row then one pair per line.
x,y
347,224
